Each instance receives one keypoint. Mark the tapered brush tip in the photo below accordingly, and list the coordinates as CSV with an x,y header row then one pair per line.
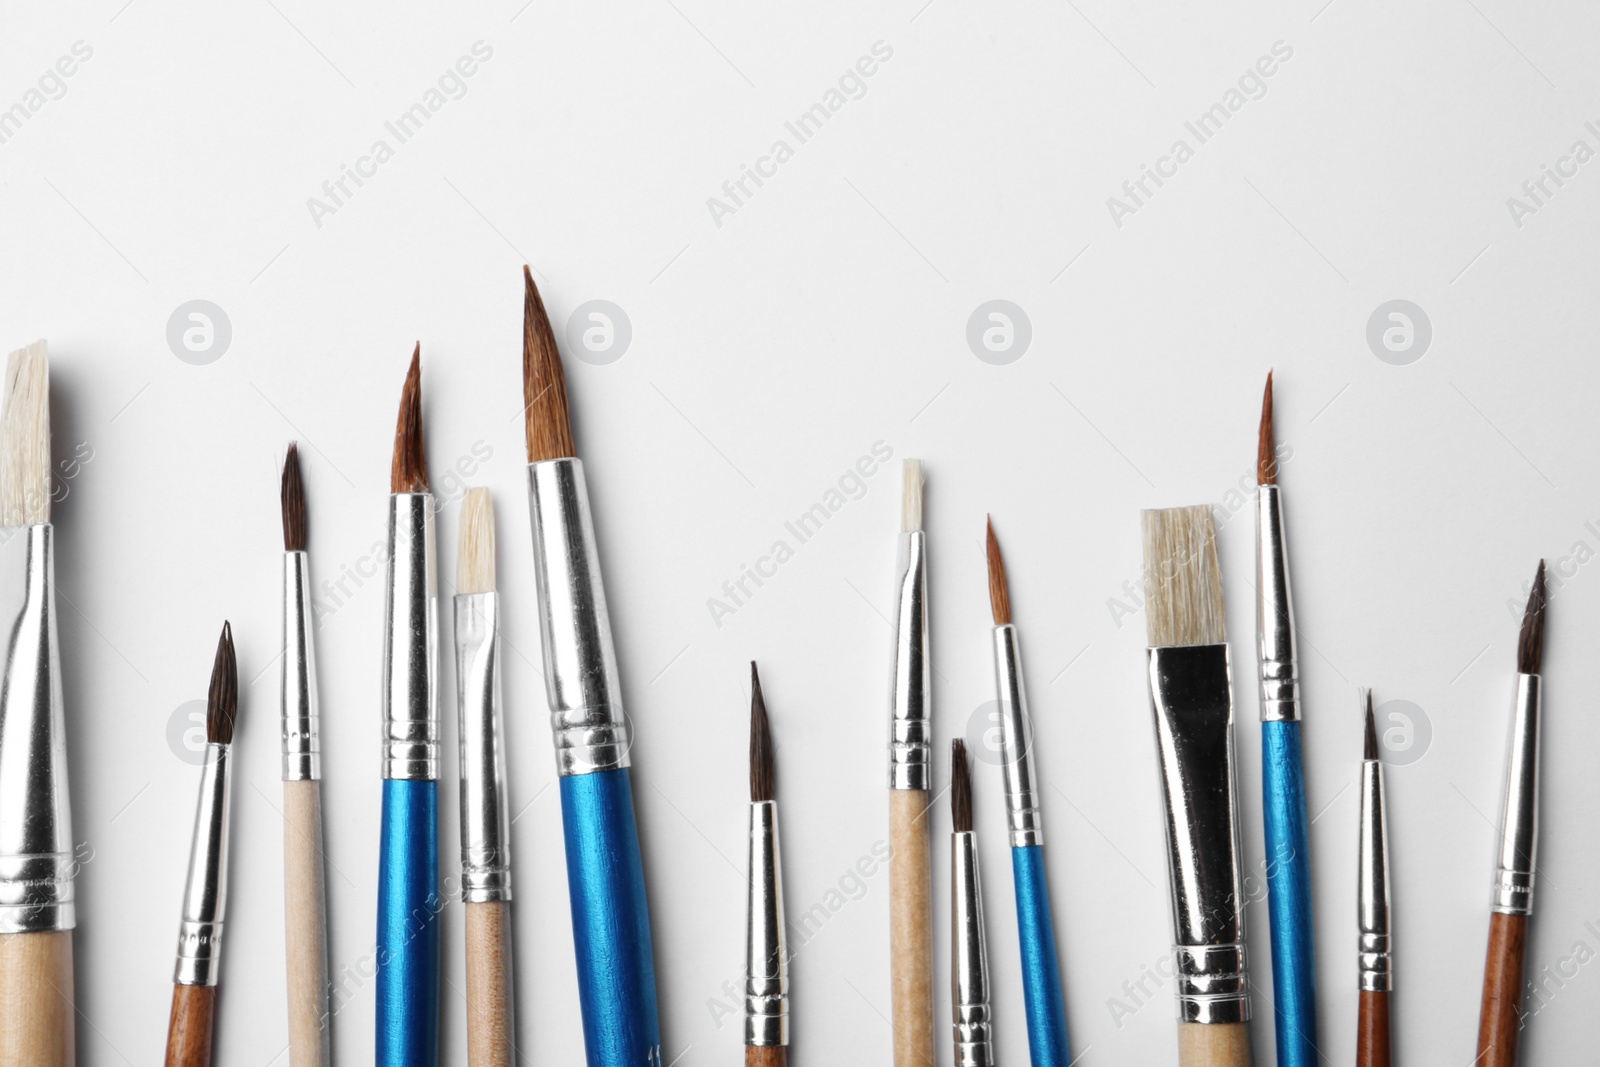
x,y
475,554
293,496
1530,644
762,779
911,496
409,471
1369,748
222,700
1266,448
547,422
999,591
960,788
25,438
1182,580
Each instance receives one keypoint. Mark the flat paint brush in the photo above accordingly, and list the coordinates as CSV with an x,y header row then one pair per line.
x,y
1516,851
1374,962
766,992
1192,699
205,895
1283,783
305,902
37,867
605,876
910,782
485,803
1048,1045
971,1021
407,1010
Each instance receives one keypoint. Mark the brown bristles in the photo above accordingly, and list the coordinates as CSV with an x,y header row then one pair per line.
x,y
999,592
222,702
408,473
293,495
1266,448
960,789
1530,644
762,783
1369,749
544,384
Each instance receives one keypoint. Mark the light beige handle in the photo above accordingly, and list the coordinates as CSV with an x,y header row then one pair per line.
x,y
911,928
36,1000
1214,1044
305,913
489,1015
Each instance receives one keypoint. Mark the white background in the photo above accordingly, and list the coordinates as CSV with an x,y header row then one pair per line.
x,y
768,354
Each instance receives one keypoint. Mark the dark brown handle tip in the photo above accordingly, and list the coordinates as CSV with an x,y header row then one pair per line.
x,y
1372,1030
189,1029
766,1056
1502,991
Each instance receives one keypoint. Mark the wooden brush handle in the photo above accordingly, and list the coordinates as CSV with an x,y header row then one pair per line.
x,y
1372,1030
1214,1045
910,928
36,1000
489,1011
766,1056
189,1030
1502,991
305,913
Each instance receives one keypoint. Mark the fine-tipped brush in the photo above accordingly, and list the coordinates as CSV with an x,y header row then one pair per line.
x,y
910,782
605,876
485,805
1283,784
205,895
766,1016
969,955
37,868
1512,903
1192,699
1048,1045
1374,962
407,1009
305,903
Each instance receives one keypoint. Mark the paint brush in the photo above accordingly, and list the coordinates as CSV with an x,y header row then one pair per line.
x,y
205,895
910,781
1512,902
1048,1045
969,954
1283,783
407,1010
605,875
485,805
305,902
1376,967
37,866
1192,700
766,1003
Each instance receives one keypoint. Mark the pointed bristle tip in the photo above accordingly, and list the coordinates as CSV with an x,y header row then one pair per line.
x,y
222,699
1530,642
960,788
408,472
1369,749
1266,447
292,495
999,590
547,422
762,784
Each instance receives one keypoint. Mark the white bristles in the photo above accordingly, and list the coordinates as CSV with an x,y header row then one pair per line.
x,y
475,559
1182,581
25,439
911,496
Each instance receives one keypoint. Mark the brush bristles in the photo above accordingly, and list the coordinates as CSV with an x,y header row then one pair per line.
x,y
475,558
1369,747
1182,581
1530,643
762,784
222,701
911,496
548,423
25,439
409,471
293,495
999,591
1266,448
960,788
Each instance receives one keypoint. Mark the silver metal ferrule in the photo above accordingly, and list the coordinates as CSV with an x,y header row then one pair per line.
x,y
36,861
1280,681
485,807
1377,969
205,895
1016,742
302,752
969,957
580,662
1519,813
411,643
766,989
1191,694
911,736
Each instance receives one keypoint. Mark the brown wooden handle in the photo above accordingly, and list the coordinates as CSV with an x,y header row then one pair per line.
x,y
766,1056
489,1010
911,928
1372,1030
1502,991
1214,1044
305,913
36,1000
189,1030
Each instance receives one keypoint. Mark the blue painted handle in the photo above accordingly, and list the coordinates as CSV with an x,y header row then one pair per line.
x,y
408,925
1041,972
1294,960
610,921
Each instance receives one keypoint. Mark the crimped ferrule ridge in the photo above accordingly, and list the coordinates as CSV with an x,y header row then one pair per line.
x,y
1376,967
302,752
411,643
1519,812
910,740
205,895
766,1001
1023,817
973,1022
485,806
1280,682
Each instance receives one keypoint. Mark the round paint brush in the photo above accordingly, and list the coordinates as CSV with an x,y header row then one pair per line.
x,y
1376,968
766,1011
972,1022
